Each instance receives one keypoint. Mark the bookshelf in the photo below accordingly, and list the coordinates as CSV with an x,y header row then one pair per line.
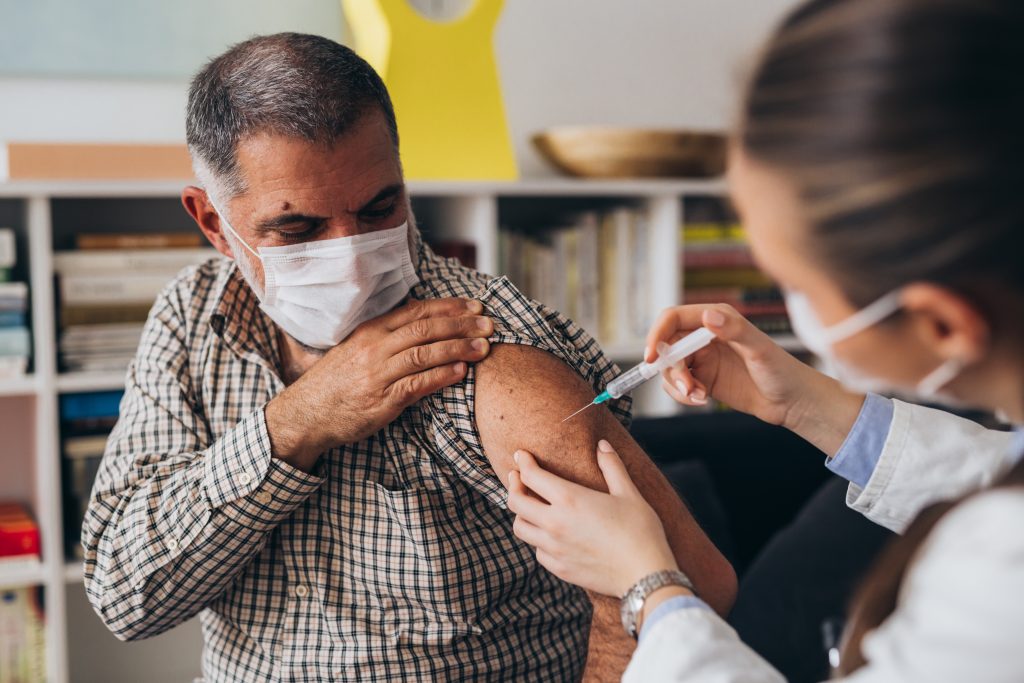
x,y
47,214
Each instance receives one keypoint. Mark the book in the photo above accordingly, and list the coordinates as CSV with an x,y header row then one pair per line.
x,y
139,240
12,367
13,296
95,404
12,318
104,313
111,161
19,535
123,288
22,636
15,341
8,253
106,261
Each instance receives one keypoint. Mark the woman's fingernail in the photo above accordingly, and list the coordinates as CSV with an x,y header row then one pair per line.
x,y
699,395
515,457
603,445
681,387
714,318
647,352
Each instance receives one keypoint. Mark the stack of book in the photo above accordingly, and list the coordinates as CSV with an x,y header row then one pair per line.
x,y
22,636
19,537
107,287
86,421
593,269
15,340
719,268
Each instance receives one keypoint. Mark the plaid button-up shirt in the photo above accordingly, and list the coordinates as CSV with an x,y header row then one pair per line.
x,y
394,559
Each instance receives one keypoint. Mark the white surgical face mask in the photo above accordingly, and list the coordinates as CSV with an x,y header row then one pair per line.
x,y
319,292
820,339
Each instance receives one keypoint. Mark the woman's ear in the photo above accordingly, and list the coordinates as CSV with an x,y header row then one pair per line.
x,y
198,205
946,322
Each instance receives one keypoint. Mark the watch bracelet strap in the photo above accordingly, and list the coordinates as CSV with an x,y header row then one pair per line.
x,y
643,589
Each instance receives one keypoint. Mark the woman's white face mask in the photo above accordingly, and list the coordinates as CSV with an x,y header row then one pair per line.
x,y
820,339
319,292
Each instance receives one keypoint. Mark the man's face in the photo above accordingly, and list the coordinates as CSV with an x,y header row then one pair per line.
x,y
297,191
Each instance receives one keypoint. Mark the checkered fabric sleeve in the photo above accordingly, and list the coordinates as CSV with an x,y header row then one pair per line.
x,y
517,320
174,517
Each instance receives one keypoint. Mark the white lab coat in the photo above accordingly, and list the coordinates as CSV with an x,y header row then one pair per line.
x,y
960,615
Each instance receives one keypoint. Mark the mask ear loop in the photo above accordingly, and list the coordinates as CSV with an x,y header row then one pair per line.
x,y
247,270
863,319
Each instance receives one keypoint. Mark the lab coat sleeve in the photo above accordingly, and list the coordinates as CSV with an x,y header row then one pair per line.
x,y
695,644
958,617
928,456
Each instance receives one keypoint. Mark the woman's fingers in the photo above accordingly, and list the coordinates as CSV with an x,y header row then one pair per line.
x,y
548,486
673,322
530,533
615,474
683,387
522,503
731,327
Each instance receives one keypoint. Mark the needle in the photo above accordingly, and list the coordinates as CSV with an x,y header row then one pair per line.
x,y
578,412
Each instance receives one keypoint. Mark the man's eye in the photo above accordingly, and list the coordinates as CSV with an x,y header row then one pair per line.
x,y
299,232
382,212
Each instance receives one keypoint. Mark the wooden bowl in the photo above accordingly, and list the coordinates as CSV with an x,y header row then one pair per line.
x,y
607,152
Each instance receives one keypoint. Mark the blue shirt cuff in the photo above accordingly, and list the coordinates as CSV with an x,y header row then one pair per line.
x,y
860,452
671,605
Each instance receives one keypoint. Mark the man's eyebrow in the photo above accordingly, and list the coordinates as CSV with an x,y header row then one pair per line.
x,y
386,193
287,219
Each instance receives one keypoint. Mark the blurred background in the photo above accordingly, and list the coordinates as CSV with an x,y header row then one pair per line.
x,y
617,211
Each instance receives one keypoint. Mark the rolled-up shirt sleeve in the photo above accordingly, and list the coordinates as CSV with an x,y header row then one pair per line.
x,y
174,515
860,452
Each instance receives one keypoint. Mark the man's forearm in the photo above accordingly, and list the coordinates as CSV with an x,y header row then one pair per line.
x,y
610,648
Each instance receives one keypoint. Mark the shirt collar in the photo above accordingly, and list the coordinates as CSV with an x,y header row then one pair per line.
x,y
1017,449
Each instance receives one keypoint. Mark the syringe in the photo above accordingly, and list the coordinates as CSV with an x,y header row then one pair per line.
x,y
638,374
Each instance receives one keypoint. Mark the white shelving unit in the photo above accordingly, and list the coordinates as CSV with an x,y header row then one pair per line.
x,y
467,211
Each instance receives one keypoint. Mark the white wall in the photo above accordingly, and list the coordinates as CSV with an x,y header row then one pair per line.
x,y
636,62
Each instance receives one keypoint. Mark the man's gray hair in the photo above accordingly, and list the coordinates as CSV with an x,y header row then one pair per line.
x,y
292,84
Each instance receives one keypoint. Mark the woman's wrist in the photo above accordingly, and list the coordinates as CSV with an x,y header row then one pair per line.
x,y
824,414
659,596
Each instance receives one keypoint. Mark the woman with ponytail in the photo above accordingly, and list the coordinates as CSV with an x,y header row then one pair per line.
x,y
878,167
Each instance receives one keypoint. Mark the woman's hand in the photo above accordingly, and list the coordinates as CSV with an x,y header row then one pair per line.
x,y
604,542
748,371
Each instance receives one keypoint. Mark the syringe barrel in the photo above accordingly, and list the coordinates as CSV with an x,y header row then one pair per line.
x,y
631,379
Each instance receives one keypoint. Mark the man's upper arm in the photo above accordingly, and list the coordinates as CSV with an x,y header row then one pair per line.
x,y
522,396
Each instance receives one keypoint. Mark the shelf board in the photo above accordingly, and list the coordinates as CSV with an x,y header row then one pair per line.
x,y
552,186
90,381
19,386
28,573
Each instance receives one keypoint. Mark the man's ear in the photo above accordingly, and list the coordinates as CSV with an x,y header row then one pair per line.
x,y
201,209
947,322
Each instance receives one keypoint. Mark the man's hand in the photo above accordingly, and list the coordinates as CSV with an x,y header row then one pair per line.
x,y
365,382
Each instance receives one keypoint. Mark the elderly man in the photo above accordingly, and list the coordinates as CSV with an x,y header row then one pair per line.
x,y
316,429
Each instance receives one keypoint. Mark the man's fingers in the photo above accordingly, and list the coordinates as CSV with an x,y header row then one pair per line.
x,y
420,358
615,474
416,309
548,486
425,330
412,388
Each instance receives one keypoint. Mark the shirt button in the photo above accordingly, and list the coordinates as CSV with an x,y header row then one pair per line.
x,y
172,544
301,591
244,478
264,497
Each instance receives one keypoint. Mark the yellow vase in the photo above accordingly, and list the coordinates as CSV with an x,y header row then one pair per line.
x,y
443,80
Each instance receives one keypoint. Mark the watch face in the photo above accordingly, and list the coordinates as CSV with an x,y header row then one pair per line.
x,y
632,603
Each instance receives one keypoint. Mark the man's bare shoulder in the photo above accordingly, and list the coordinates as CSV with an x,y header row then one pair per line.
x,y
523,396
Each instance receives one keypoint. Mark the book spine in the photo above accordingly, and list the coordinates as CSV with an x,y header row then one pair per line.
x,y
139,240
105,261
111,289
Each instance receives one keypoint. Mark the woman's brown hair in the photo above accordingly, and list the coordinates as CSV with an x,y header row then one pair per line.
x,y
901,124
